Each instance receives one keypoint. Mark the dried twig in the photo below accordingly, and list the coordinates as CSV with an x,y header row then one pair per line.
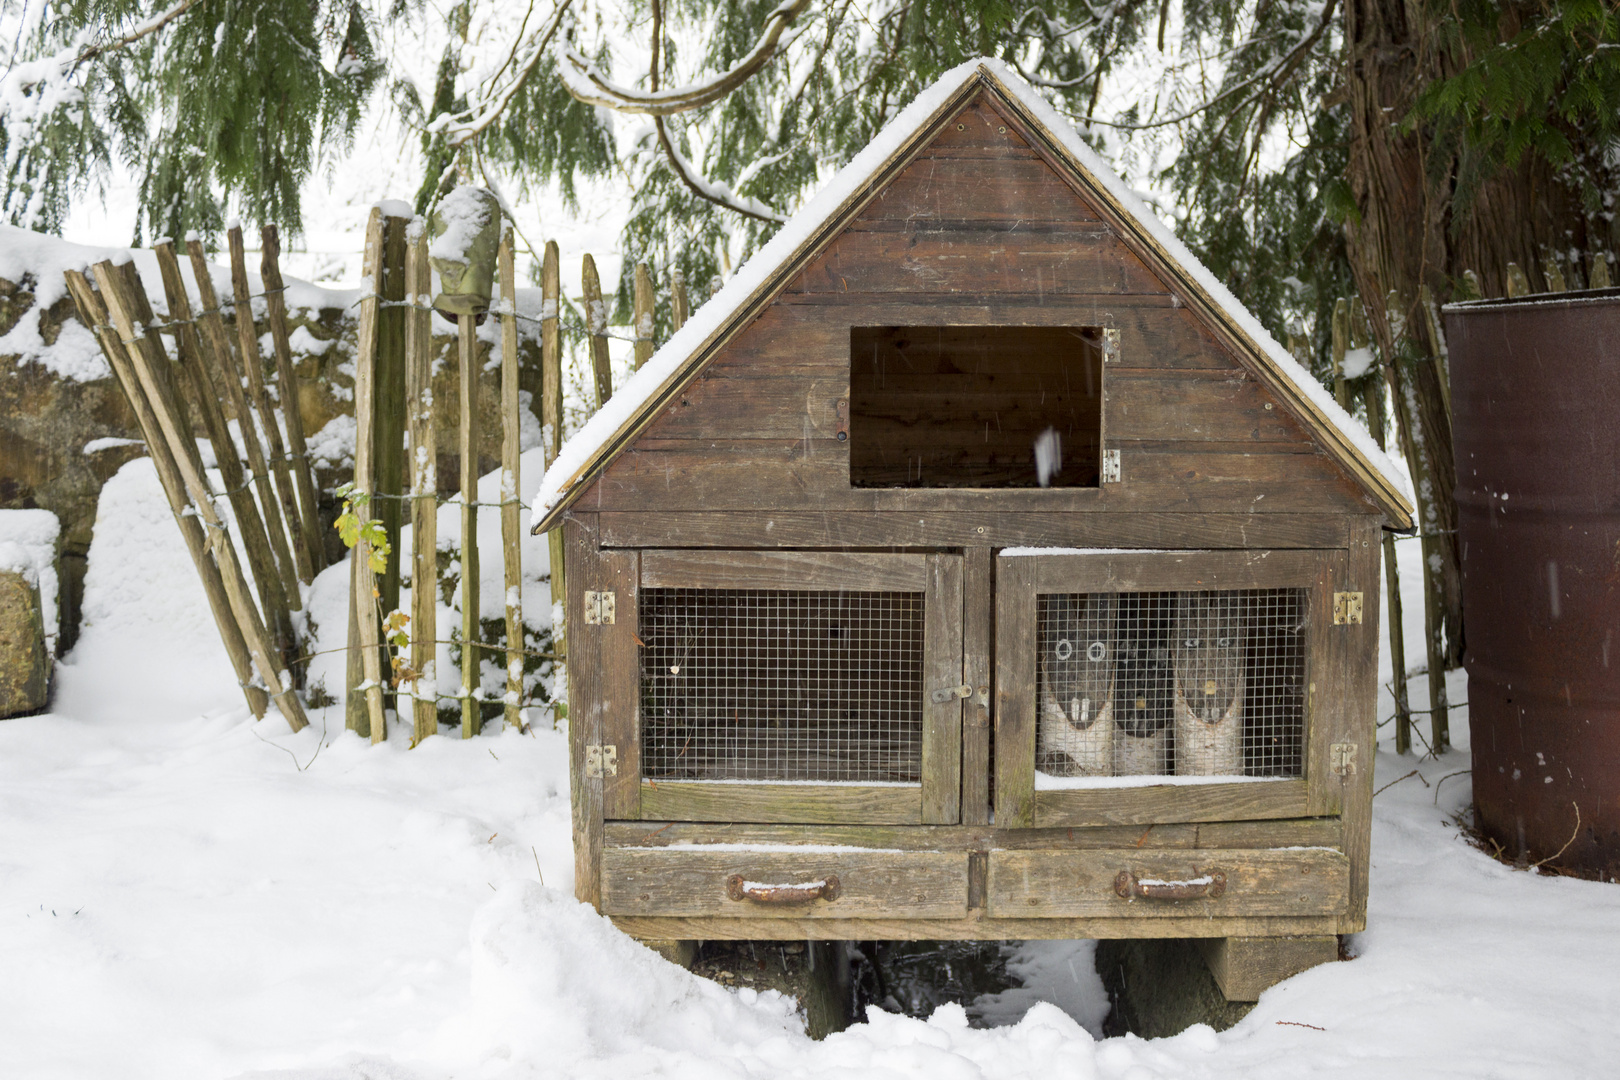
x,y
1392,783
1573,834
1442,780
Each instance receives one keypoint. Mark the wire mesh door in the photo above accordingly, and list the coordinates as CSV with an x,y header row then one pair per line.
x,y
782,685
1171,683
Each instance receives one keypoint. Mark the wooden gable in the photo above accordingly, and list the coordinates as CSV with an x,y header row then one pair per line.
x,y
979,229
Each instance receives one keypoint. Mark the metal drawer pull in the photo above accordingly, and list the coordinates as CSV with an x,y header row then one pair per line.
x,y
739,889
1204,887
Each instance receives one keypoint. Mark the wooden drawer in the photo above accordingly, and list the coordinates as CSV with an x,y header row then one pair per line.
x,y
852,884
1128,883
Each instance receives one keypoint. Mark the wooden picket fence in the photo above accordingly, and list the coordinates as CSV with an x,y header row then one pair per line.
x,y
395,460
283,544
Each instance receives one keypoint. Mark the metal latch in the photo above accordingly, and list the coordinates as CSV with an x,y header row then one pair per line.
x,y
941,696
601,761
842,410
600,608
1346,607
1110,345
1344,758
1110,467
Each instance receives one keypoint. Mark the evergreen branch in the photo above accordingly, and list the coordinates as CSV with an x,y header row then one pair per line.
x,y
717,194
1273,75
463,133
151,26
585,82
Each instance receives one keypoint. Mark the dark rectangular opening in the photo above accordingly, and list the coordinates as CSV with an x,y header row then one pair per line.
x,y
975,406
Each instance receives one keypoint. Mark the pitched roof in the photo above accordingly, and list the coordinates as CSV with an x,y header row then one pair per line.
x,y
761,279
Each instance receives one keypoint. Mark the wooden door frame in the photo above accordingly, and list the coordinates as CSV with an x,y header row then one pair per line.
x,y
936,799
1023,576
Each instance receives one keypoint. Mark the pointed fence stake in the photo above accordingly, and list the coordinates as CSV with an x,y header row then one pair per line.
x,y
217,344
249,525
511,507
643,310
94,315
468,358
364,632
247,334
275,300
147,355
424,472
596,323
551,370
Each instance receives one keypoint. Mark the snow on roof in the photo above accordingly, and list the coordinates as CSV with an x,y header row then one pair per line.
x,y
581,454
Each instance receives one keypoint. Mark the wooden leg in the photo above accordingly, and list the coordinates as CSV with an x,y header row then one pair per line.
x,y
1244,966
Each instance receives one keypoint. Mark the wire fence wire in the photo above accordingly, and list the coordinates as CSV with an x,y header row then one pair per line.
x,y
1172,683
742,684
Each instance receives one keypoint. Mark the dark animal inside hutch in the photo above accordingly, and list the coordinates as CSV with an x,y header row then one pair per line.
x,y
973,566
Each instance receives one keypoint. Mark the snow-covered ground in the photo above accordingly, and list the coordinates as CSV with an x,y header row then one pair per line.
x,y
185,893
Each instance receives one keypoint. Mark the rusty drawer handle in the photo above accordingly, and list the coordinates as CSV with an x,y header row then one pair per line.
x,y
740,889
1206,886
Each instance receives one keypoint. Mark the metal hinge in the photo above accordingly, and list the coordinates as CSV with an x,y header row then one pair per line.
x,y
1346,607
600,608
1110,345
1344,758
950,693
601,761
1110,467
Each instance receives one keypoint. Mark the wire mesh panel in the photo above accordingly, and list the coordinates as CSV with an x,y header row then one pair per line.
x,y
741,684
1171,683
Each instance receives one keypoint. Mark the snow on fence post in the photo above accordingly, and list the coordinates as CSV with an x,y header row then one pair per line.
x,y
94,315
424,483
285,513
192,351
363,622
596,321
275,301
511,507
551,418
643,311
125,303
678,306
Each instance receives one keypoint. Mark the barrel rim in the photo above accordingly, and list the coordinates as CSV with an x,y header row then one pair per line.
x,y
1543,299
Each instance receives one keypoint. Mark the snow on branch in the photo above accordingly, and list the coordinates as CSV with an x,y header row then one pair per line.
x,y
719,194
587,83
462,130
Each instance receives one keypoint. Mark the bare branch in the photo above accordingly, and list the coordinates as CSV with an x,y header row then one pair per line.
x,y
585,82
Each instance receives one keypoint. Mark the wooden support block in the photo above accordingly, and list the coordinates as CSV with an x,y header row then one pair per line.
x,y
1245,966
676,951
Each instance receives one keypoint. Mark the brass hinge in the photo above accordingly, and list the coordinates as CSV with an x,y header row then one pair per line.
x,y
600,608
601,761
1344,758
1110,345
1346,608
1110,467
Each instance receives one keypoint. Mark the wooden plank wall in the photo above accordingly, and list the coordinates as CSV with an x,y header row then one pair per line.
x,y
979,230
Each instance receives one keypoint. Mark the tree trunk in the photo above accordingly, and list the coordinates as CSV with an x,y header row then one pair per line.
x,y
1412,233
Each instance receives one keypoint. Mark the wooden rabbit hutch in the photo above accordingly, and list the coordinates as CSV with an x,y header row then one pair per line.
x,y
974,566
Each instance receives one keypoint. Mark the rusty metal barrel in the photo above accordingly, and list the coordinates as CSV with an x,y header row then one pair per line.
x,y
1536,427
